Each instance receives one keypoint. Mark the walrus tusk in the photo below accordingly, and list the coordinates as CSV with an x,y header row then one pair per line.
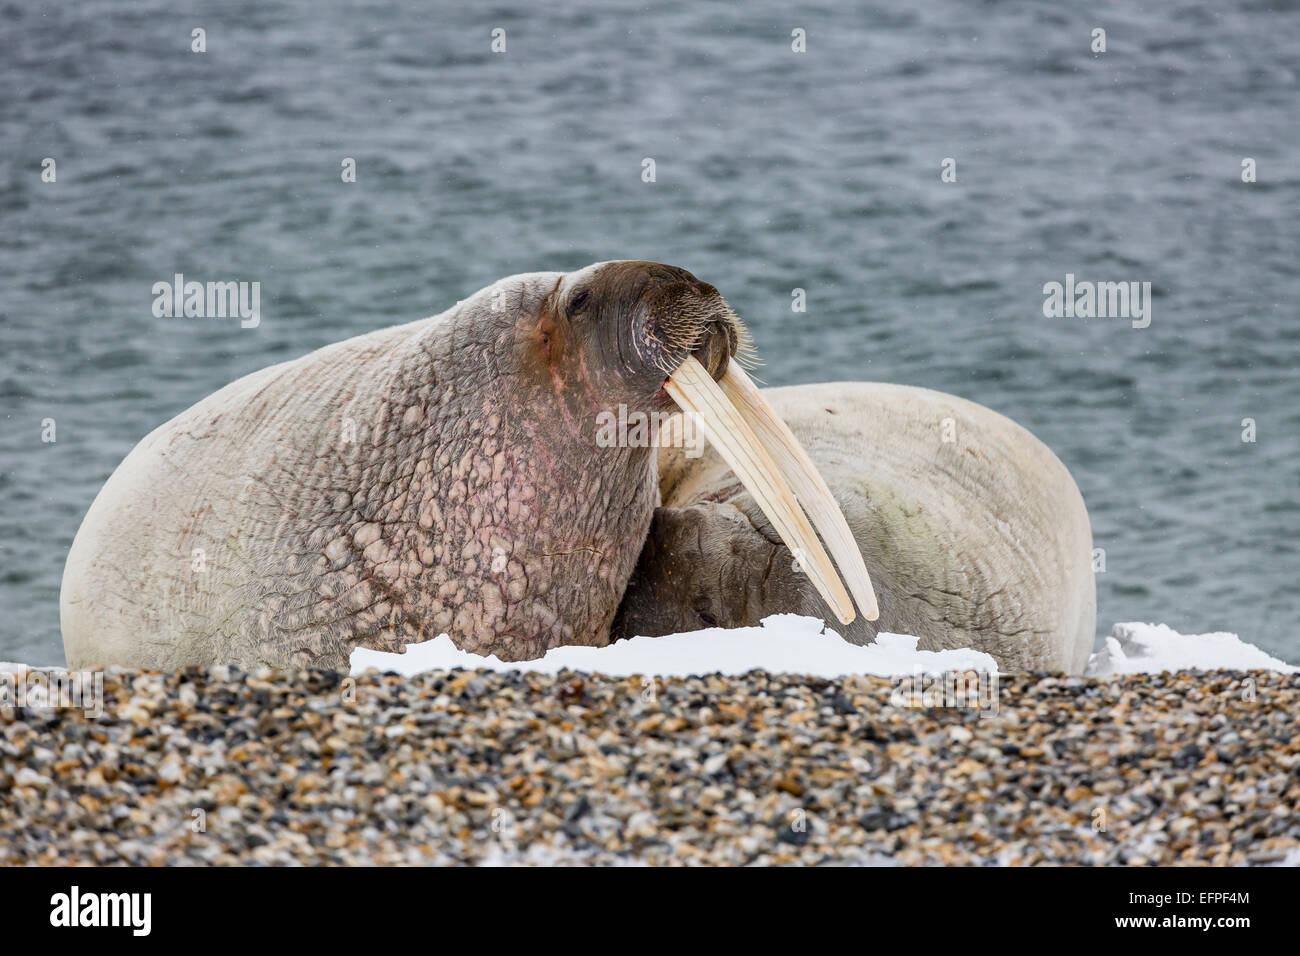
x,y
727,429
809,486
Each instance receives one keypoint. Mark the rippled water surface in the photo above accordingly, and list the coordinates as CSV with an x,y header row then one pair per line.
x,y
775,170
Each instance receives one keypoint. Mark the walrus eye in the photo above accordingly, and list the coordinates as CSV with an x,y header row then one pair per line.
x,y
578,301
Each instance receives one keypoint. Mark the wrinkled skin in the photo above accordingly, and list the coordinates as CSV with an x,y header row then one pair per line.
x,y
441,476
982,541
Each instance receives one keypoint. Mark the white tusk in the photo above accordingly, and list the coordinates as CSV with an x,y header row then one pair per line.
x,y
809,486
695,391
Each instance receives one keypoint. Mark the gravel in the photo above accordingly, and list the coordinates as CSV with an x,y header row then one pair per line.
x,y
464,767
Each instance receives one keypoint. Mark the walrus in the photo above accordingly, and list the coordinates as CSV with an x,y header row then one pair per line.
x,y
439,476
447,476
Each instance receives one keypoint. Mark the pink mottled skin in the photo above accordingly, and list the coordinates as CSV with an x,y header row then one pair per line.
x,y
441,476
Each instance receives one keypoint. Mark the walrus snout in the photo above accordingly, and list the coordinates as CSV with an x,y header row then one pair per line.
x,y
690,318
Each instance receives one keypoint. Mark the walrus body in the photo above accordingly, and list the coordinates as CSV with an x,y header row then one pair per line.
x,y
974,533
440,476
446,476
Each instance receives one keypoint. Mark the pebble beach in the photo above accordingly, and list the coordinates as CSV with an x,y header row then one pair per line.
x,y
478,767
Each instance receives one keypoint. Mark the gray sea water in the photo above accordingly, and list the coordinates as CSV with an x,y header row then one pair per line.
x,y
774,170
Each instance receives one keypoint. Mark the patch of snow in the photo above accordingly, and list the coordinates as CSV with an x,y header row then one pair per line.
x,y
1136,648
782,644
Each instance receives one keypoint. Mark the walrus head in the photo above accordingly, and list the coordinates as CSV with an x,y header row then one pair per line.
x,y
630,324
